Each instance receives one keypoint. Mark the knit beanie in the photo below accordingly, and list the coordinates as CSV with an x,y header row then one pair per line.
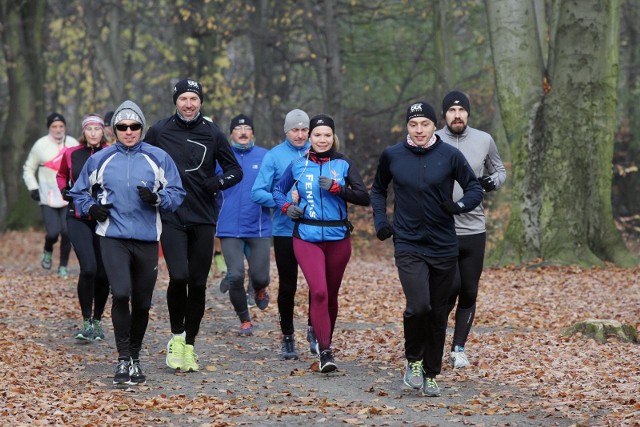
x,y
421,109
455,97
321,120
128,110
107,118
296,119
240,120
55,117
187,85
92,119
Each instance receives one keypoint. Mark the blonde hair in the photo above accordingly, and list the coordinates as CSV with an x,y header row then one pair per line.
x,y
336,142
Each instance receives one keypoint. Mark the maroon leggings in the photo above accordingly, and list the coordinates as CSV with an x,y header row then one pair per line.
x,y
323,266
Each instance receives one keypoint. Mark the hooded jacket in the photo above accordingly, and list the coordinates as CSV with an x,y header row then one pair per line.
x,y
114,174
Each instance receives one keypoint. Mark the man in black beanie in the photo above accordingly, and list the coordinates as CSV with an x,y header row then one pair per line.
x,y
195,145
423,170
482,154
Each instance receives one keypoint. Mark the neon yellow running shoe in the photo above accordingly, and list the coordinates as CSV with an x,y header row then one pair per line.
x,y
190,359
221,266
175,352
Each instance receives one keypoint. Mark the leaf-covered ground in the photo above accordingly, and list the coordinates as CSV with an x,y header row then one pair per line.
x,y
524,371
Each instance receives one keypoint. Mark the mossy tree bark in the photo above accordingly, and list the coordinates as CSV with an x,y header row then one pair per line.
x,y
558,110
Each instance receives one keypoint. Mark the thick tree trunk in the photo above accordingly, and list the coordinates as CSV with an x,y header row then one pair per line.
x,y
23,40
561,209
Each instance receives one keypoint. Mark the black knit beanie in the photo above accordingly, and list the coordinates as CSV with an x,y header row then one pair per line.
x,y
455,97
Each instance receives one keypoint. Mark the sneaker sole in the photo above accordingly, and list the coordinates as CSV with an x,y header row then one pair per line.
x,y
431,394
329,367
290,357
409,386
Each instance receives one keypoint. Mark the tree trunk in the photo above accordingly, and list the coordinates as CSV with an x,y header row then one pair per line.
x,y
562,153
23,48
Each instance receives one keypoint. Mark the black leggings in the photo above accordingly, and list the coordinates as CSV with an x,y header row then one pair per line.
x,y
93,287
188,252
55,224
470,262
132,269
288,281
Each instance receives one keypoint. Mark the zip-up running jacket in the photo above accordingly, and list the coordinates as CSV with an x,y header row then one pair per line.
x,y
45,157
239,217
273,166
325,212
195,148
423,179
114,174
72,162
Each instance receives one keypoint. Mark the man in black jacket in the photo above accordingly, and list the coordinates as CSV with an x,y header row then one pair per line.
x,y
194,144
423,169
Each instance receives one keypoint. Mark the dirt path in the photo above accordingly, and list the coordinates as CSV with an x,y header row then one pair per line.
x,y
256,387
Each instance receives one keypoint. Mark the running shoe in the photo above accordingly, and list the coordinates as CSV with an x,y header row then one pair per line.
x,y
414,375
430,387
224,285
62,272
327,362
86,334
262,298
175,352
221,266
190,359
121,376
251,296
458,359
246,329
98,333
289,348
136,377
314,347
45,260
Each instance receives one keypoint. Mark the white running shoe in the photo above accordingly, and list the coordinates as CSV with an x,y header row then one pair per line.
x,y
458,359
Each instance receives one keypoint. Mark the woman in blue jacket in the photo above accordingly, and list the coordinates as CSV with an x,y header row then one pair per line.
x,y
325,181
124,187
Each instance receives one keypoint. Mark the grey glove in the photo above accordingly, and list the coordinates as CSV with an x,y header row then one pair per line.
x,y
294,212
325,182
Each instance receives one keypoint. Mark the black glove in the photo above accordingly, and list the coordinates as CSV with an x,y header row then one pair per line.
x,y
451,207
147,195
294,212
487,183
212,185
66,196
35,195
100,212
325,182
384,233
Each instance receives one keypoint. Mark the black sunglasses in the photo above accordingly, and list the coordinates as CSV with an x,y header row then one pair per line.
x,y
134,127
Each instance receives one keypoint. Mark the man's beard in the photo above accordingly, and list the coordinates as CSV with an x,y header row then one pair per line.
x,y
457,128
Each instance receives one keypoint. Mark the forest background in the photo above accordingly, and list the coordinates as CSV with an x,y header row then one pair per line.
x,y
553,81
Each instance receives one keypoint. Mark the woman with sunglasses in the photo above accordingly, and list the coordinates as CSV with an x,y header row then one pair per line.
x,y
325,181
93,287
124,187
